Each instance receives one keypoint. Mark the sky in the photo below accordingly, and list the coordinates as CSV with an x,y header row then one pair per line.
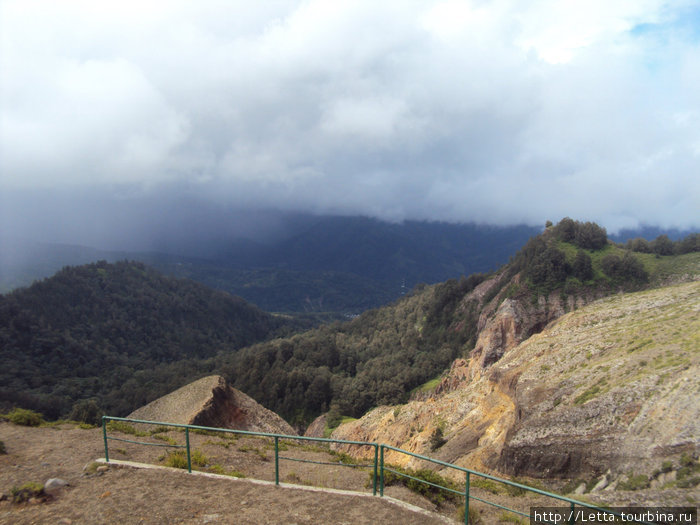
x,y
118,116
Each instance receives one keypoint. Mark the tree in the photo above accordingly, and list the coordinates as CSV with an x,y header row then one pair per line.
x,y
662,245
583,266
566,230
639,245
590,236
627,267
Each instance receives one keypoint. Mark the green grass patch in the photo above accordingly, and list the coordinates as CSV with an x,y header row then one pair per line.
x,y
126,428
416,484
328,429
342,457
508,517
428,385
587,395
167,439
488,485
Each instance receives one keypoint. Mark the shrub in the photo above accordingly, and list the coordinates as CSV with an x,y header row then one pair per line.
x,y
686,460
24,417
3,450
634,482
638,245
198,458
86,411
662,245
437,439
487,484
434,494
176,459
627,267
26,492
474,515
583,266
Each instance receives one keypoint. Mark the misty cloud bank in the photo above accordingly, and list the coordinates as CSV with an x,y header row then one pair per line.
x,y
115,117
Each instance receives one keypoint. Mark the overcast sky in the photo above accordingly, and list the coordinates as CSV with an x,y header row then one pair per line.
x,y
497,112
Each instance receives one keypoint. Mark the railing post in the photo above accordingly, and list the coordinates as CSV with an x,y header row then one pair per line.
x,y
104,436
572,517
381,470
277,460
189,456
376,460
466,500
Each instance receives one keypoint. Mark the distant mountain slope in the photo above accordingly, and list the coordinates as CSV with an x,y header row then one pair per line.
x,y
315,264
379,357
409,252
101,330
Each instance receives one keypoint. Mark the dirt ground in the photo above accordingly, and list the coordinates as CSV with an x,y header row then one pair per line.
x,y
126,495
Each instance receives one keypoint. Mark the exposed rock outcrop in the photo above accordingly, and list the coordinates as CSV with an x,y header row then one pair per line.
x,y
503,326
317,426
211,402
612,385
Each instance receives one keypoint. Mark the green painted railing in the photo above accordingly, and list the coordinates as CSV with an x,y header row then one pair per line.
x,y
378,465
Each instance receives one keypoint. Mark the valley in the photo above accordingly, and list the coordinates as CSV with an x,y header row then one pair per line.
x,y
575,363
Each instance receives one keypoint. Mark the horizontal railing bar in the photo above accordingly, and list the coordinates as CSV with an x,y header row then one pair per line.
x,y
424,481
245,432
146,443
370,444
499,506
500,480
325,462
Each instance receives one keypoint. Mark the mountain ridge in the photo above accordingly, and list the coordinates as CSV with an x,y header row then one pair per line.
x,y
117,333
604,391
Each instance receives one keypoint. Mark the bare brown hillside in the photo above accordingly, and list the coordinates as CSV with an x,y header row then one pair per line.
x,y
130,496
606,394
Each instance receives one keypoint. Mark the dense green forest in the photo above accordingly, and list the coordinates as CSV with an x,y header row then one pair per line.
x,y
120,333
374,359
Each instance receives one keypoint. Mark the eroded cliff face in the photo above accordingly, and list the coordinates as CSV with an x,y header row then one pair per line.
x,y
610,386
505,323
211,402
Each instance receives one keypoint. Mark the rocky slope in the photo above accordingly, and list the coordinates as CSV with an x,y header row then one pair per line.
x,y
612,386
211,402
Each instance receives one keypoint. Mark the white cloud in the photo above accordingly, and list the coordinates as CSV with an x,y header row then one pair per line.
x,y
498,111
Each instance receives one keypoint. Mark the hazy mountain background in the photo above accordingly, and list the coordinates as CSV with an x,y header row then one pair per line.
x,y
302,262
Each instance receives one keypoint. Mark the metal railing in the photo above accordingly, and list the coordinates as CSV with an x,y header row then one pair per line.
x,y
378,466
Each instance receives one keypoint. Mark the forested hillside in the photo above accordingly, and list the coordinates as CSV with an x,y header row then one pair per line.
x,y
119,333
382,355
